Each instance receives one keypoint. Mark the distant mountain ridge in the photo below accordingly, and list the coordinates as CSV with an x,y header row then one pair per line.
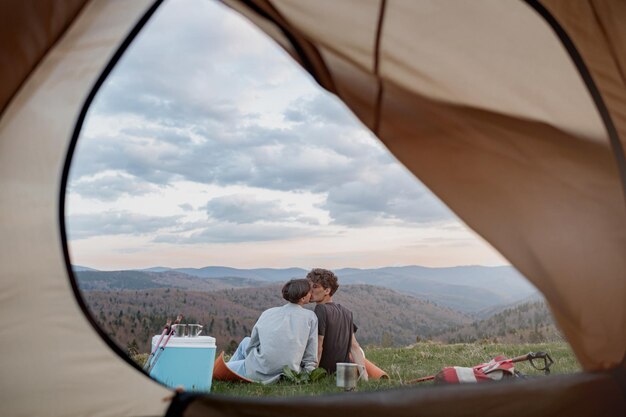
x,y
82,268
143,280
265,274
469,289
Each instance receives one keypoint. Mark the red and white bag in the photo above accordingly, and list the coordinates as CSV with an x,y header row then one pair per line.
x,y
494,370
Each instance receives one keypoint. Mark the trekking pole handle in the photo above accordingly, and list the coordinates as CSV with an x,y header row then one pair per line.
x,y
547,361
171,332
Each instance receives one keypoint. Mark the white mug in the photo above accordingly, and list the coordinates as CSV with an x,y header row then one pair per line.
x,y
348,374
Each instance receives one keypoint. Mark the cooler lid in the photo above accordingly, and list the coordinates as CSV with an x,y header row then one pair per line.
x,y
187,342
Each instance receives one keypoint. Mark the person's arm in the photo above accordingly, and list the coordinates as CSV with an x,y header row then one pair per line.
x,y
320,347
254,340
357,356
310,359
320,312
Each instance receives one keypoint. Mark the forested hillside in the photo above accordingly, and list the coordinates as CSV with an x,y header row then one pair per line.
x,y
384,317
525,323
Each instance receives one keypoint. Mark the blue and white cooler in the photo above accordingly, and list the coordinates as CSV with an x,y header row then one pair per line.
x,y
187,362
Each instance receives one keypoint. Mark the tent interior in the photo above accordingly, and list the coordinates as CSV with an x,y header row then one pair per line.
x,y
512,112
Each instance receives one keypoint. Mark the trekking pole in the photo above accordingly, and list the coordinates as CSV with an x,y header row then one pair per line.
x,y
162,348
165,329
530,357
422,379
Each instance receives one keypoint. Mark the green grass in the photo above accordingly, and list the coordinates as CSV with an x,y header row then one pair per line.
x,y
405,364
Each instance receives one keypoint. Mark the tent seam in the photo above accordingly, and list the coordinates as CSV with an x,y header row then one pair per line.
x,y
594,91
296,39
119,52
607,39
379,95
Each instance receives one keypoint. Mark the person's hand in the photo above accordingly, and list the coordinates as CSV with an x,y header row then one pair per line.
x,y
364,375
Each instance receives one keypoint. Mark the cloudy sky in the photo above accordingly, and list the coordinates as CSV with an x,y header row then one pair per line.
x,y
207,145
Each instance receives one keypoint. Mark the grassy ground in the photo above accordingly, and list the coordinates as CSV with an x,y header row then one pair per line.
x,y
405,364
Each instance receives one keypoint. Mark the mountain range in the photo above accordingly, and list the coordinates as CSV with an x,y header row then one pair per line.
x,y
468,289
392,306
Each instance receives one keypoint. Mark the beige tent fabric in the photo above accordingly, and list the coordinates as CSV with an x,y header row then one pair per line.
x,y
520,168
53,362
39,24
597,28
358,20
448,51
483,103
491,55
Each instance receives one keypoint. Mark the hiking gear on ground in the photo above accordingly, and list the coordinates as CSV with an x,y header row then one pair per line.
x,y
165,330
498,368
162,348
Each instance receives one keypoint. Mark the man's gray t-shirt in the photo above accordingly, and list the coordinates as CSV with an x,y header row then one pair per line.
x,y
335,323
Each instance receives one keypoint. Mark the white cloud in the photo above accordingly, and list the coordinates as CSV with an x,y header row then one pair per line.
x,y
107,223
248,208
111,185
227,232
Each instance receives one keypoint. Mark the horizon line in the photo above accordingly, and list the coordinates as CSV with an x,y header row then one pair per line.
x,y
291,267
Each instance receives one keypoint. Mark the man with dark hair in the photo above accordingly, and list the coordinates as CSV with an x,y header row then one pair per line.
x,y
336,328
